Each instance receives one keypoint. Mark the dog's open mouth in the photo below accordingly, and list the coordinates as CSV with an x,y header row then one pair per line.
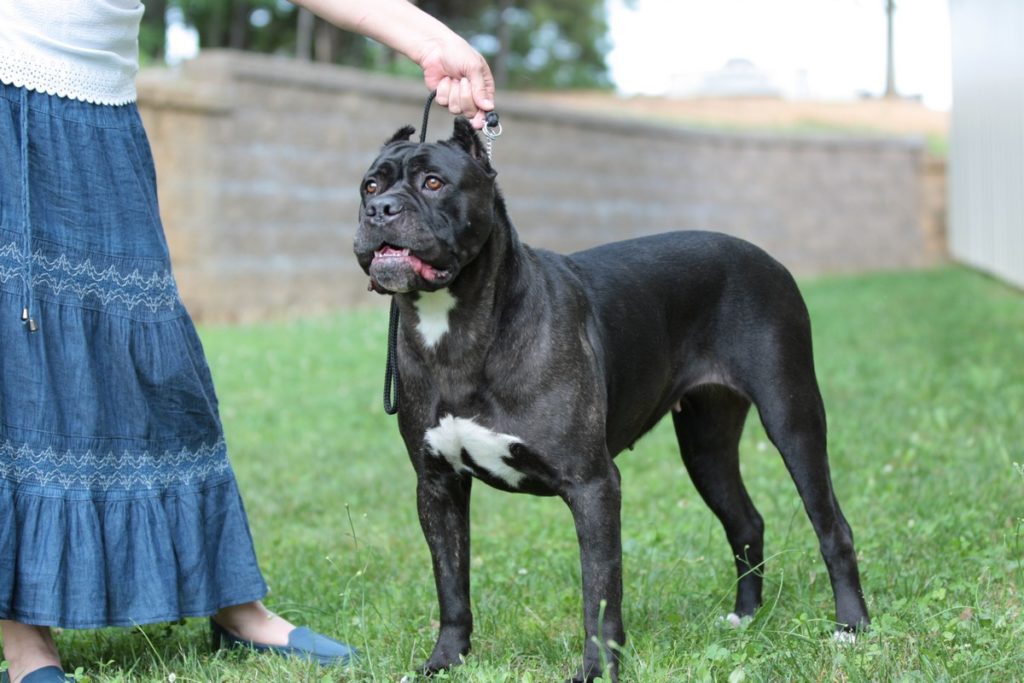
x,y
389,261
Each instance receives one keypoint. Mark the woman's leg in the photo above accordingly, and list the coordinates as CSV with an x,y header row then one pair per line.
x,y
27,648
254,622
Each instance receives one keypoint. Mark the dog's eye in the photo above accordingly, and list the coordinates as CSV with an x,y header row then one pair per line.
x,y
433,183
371,187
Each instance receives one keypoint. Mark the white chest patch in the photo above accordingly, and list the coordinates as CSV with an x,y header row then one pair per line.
x,y
432,308
487,449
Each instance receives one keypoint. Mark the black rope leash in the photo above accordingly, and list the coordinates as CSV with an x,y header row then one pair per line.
x,y
426,116
492,129
391,367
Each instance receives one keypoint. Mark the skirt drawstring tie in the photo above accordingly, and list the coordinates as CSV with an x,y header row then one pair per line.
x,y
27,277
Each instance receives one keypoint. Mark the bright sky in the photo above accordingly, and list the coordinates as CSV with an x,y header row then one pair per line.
x,y
833,49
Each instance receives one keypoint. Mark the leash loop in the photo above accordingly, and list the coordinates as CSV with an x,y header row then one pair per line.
x,y
492,129
391,364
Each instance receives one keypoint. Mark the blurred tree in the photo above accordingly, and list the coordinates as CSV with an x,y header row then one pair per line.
x,y
153,31
529,43
534,43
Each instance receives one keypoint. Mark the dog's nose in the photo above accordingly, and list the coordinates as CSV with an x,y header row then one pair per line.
x,y
384,208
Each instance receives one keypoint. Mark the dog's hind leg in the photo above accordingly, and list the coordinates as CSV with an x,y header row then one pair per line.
x,y
709,424
794,417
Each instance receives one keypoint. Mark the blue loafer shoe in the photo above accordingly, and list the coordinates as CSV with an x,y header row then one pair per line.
x,y
48,674
302,644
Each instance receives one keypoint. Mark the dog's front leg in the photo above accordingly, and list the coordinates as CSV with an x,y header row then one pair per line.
x,y
443,501
596,507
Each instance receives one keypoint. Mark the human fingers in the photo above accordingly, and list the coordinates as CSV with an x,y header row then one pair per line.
x,y
454,102
444,87
461,101
467,104
482,86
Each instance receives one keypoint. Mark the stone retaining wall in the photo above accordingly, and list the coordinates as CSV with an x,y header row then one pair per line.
x,y
259,160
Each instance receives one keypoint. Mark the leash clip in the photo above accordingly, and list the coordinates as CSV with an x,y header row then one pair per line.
x,y
492,129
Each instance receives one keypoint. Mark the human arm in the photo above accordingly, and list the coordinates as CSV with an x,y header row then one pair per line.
x,y
450,65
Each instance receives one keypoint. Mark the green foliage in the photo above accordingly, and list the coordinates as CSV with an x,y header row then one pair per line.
x,y
230,24
152,32
535,44
530,43
924,388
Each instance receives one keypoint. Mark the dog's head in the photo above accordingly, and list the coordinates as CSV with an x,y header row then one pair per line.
x,y
426,211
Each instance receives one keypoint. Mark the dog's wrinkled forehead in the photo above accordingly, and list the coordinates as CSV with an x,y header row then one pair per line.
x,y
457,158
392,160
404,159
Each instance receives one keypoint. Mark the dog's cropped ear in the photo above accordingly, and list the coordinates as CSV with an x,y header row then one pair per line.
x,y
465,137
401,135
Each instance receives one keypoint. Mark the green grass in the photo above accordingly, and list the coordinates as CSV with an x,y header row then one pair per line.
x,y
923,376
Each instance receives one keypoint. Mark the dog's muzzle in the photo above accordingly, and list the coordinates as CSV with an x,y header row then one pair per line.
x,y
397,270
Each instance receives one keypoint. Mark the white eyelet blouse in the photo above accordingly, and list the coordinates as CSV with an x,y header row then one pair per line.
x,y
82,49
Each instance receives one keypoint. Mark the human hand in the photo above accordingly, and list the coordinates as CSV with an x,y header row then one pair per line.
x,y
461,77
451,66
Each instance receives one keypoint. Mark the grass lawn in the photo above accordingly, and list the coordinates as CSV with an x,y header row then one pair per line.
x,y
923,377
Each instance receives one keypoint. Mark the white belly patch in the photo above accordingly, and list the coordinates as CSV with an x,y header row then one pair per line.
x,y
487,449
432,309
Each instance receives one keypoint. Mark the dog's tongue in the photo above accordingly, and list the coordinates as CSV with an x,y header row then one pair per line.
x,y
391,256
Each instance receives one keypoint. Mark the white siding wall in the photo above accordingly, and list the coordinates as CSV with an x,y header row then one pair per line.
x,y
986,163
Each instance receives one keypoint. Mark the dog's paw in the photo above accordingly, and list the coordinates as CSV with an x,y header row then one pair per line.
x,y
598,678
844,638
594,674
735,621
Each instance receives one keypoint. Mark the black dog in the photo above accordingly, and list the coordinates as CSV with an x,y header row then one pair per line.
x,y
531,371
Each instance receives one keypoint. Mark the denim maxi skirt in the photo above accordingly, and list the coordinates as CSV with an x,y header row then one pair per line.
x,y
118,505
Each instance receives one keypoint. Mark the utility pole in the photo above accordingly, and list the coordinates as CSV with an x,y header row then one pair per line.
x,y
890,66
